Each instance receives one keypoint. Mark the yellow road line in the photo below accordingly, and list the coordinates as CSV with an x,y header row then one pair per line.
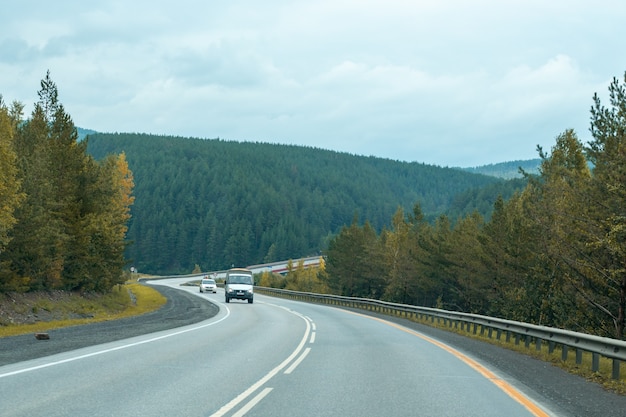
x,y
499,382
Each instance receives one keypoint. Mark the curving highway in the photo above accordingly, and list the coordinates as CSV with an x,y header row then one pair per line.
x,y
271,358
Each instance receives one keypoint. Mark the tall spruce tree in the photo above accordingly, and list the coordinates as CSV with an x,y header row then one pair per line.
x,y
35,252
605,265
10,194
348,260
469,284
555,206
406,259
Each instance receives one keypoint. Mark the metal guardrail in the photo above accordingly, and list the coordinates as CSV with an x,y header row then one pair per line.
x,y
539,335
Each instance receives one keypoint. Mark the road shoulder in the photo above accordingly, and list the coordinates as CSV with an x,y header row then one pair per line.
x,y
181,309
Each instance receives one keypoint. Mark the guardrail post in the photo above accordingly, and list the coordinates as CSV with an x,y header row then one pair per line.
x,y
538,343
508,336
498,334
579,356
615,373
564,352
551,346
527,341
595,362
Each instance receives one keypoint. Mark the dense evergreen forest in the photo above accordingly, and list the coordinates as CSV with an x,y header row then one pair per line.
x,y
553,254
215,203
63,215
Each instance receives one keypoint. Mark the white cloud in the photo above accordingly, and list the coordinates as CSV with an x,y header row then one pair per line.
x,y
444,82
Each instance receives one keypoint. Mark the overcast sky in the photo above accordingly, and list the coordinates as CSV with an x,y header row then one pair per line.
x,y
446,82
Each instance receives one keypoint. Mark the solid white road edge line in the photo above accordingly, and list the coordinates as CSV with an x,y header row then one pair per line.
x,y
101,352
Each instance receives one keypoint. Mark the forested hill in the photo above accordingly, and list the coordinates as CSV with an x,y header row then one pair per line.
x,y
216,203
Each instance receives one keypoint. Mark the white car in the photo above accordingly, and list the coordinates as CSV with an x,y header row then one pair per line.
x,y
208,285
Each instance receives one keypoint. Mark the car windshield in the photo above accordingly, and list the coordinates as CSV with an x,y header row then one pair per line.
x,y
208,281
240,279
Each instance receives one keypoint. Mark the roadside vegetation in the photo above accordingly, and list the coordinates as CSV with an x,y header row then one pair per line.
x,y
63,215
43,311
554,254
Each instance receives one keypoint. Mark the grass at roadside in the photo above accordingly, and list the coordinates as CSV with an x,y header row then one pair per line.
x,y
123,301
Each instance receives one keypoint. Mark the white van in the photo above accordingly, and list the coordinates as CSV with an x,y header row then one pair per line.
x,y
239,284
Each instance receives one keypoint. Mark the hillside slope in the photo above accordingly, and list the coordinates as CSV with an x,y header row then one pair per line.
x,y
216,203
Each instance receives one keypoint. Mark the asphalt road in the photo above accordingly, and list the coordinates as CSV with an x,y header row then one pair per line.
x,y
564,394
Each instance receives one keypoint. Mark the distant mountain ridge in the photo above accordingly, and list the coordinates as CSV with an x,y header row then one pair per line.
x,y
83,133
507,170
504,170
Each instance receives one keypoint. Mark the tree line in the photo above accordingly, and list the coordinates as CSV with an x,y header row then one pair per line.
x,y
63,215
553,254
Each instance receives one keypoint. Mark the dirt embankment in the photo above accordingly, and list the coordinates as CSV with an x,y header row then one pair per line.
x,y
27,308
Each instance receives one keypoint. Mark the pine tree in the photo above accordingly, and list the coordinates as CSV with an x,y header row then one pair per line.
x,y
36,249
606,226
555,206
348,260
10,194
399,260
